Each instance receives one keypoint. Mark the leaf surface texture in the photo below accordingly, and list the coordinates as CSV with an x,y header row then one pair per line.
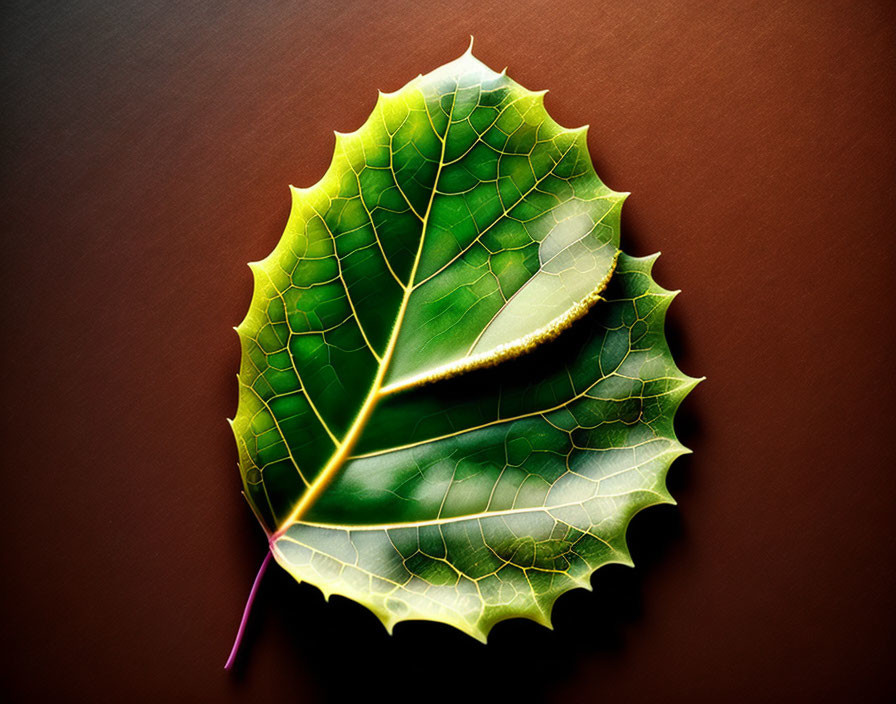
x,y
395,441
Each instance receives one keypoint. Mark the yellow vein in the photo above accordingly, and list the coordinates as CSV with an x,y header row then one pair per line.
x,y
372,224
505,213
348,295
541,269
499,421
482,515
507,350
279,430
295,369
351,437
392,162
479,140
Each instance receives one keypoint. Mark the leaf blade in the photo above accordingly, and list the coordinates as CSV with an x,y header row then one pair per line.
x,y
458,229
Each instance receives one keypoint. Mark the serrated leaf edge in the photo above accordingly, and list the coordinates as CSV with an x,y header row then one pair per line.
x,y
390,620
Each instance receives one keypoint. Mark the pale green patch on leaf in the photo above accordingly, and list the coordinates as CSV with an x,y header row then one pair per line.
x,y
394,440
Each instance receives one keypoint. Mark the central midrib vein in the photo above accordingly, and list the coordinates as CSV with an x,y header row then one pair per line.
x,y
354,432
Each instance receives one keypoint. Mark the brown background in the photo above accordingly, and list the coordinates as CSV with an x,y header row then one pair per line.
x,y
146,152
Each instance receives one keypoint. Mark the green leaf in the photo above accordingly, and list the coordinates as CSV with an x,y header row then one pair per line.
x,y
459,228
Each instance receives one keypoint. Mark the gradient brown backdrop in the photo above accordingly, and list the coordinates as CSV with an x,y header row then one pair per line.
x,y
146,152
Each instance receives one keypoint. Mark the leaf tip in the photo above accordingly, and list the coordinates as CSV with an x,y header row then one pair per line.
x,y
469,51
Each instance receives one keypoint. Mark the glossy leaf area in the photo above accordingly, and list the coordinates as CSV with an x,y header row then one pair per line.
x,y
459,228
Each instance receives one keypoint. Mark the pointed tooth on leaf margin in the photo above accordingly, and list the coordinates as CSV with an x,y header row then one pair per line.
x,y
647,262
541,619
480,634
386,617
583,583
537,96
254,267
381,97
623,554
467,63
339,145
384,99
296,192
